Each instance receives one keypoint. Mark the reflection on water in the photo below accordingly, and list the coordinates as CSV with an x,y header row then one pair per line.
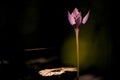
x,y
35,49
90,77
56,71
41,60
37,63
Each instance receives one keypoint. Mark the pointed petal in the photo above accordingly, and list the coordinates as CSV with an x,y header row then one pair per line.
x,y
71,19
78,19
75,11
86,18
77,16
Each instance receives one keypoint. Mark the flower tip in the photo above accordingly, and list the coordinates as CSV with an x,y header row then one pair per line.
x,y
89,11
86,17
76,8
68,12
71,19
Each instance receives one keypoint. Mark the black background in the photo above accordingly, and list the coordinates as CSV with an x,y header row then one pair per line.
x,y
51,28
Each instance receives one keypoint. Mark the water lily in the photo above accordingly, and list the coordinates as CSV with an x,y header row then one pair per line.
x,y
75,18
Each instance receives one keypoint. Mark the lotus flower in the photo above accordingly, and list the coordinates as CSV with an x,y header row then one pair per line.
x,y
75,18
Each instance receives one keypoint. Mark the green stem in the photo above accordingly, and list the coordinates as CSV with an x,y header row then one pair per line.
x,y
77,45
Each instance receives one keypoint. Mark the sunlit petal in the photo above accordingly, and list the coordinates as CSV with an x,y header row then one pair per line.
x,y
86,18
71,19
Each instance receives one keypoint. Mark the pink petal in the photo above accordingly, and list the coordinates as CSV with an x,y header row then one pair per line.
x,y
78,19
75,12
78,22
77,16
71,19
85,18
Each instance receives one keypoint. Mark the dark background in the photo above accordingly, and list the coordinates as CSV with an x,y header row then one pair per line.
x,y
41,23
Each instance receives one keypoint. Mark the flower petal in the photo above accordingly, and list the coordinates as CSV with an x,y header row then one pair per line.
x,y
78,19
85,18
75,12
71,19
77,16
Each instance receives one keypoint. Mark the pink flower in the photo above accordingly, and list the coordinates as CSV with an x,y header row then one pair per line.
x,y
75,18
